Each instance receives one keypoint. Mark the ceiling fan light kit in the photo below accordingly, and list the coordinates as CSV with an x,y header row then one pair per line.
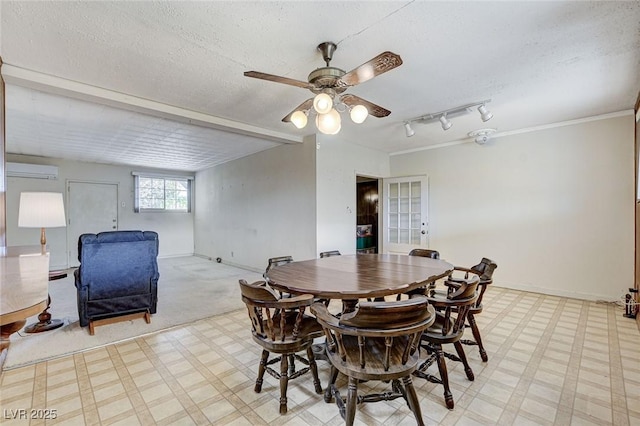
x,y
443,116
328,83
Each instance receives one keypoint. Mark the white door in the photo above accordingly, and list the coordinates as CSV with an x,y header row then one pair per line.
x,y
405,220
93,208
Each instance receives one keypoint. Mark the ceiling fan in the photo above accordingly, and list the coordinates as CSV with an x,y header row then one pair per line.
x,y
329,83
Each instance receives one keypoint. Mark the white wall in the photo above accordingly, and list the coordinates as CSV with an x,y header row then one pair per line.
x,y
258,207
175,230
337,164
554,208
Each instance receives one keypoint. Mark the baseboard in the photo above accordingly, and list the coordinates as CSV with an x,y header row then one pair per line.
x,y
175,255
235,265
557,292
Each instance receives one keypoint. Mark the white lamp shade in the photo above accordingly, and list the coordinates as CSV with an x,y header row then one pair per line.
x,y
322,103
329,123
299,119
359,113
41,210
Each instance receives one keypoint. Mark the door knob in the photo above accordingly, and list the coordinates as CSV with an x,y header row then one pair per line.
x,y
423,232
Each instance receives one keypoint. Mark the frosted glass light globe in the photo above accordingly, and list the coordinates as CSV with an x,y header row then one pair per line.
x,y
322,103
359,113
299,119
329,123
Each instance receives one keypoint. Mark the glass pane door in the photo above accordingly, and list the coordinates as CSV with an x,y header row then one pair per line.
x,y
405,219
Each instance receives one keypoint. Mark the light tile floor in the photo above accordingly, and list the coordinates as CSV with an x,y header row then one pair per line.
x,y
551,361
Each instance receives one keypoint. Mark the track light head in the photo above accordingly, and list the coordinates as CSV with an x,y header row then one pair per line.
x,y
485,114
446,124
408,130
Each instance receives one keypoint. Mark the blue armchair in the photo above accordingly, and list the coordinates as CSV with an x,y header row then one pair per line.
x,y
117,278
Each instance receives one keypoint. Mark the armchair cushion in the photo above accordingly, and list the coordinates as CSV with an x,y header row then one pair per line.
x,y
118,274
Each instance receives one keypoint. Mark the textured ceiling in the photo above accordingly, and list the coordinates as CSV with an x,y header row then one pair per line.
x,y
538,62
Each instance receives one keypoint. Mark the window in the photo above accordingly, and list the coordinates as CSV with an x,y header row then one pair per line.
x,y
162,194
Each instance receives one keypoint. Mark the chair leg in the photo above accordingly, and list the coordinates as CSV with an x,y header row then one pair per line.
x,y
463,358
292,365
261,370
328,394
412,399
444,376
352,398
476,337
314,370
284,383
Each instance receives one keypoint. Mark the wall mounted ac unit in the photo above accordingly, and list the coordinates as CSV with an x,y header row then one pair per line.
x,y
35,171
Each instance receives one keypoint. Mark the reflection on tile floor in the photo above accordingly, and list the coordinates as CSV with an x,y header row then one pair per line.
x,y
551,361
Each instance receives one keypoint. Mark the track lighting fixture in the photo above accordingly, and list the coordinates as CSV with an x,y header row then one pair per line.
x,y
443,116
408,130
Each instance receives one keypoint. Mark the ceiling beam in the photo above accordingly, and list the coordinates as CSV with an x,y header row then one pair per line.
x,y
73,89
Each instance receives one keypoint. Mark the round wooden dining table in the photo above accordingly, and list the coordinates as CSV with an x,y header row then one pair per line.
x,y
358,276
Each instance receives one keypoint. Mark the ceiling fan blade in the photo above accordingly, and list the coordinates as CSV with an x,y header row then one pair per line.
x,y
382,63
278,79
302,107
374,110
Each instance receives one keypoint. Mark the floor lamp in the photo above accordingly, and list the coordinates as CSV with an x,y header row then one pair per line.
x,y
42,210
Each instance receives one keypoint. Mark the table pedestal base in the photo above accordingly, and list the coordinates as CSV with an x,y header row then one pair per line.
x,y
44,326
45,323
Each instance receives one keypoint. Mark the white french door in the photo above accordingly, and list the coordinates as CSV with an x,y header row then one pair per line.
x,y
405,220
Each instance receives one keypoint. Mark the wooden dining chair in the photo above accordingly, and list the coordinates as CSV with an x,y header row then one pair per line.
x,y
484,270
378,341
451,313
276,261
329,253
431,254
280,326
272,263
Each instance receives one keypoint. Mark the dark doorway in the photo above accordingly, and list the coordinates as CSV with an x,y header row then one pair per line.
x,y
367,215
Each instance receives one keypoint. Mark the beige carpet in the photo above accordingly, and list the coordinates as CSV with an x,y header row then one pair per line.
x,y
189,289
